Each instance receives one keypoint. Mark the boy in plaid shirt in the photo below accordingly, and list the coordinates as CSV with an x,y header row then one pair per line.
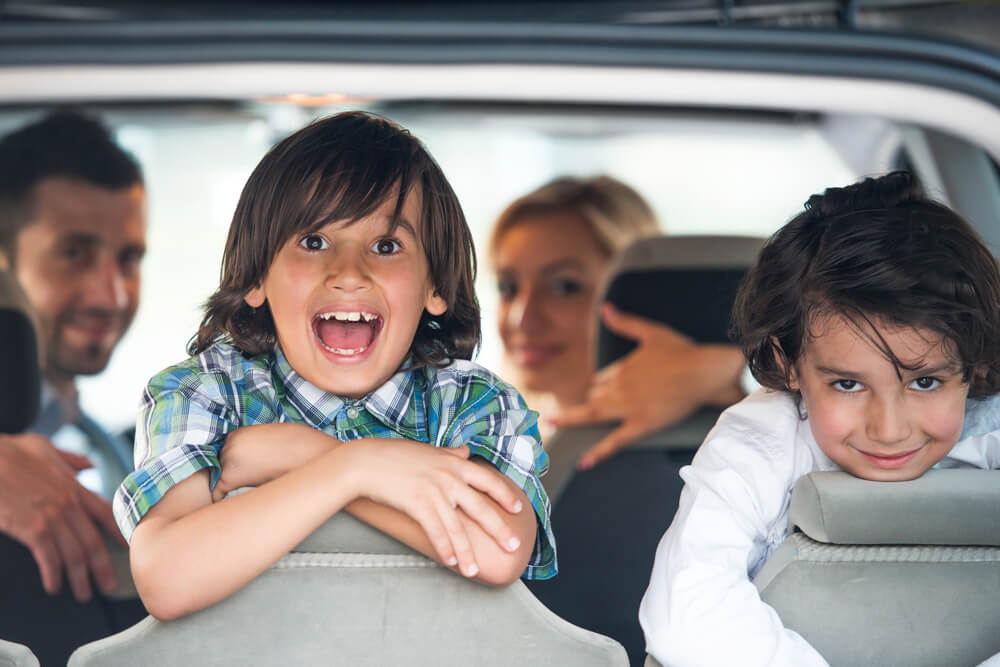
x,y
334,351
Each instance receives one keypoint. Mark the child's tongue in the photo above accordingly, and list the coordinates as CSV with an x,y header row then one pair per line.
x,y
345,335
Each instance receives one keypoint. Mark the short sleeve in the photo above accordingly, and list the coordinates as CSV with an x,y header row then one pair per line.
x,y
183,421
496,425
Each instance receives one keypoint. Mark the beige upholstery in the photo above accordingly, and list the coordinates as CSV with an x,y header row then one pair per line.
x,y
349,595
16,655
906,573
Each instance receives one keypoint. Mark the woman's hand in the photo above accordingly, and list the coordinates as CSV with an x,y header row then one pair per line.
x,y
666,378
437,487
253,455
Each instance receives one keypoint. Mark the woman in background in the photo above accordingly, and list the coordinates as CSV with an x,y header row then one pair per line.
x,y
550,250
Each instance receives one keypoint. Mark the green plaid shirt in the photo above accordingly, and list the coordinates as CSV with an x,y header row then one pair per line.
x,y
188,409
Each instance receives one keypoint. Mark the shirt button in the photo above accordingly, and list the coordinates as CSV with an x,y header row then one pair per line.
x,y
352,412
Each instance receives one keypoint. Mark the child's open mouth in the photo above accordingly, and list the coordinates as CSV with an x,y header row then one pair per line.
x,y
347,333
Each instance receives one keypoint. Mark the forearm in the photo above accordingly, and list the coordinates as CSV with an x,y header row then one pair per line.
x,y
496,566
185,559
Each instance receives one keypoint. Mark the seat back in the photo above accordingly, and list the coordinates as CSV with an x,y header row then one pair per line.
x,y
349,595
686,282
20,375
906,573
16,655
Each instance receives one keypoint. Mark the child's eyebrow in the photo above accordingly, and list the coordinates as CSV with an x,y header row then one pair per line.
x,y
405,224
827,370
942,368
919,371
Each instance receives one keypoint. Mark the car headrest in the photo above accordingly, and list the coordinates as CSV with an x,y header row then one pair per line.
x,y
686,282
20,374
943,507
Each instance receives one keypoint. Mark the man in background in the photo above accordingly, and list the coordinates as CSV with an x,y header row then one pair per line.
x,y
72,233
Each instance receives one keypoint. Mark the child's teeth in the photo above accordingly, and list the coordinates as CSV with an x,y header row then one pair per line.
x,y
350,316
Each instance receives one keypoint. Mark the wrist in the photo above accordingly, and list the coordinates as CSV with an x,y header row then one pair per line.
x,y
726,366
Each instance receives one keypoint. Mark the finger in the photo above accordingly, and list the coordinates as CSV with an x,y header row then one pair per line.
x,y
487,515
73,558
75,461
447,510
44,551
99,509
436,534
494,484
627,324
462,452
614,442
95,554
591,412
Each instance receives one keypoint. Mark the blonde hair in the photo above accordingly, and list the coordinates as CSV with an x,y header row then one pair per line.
x,y
614,212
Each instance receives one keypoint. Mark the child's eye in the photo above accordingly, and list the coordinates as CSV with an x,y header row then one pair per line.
x,y
925,384
387,247
847,386
313,242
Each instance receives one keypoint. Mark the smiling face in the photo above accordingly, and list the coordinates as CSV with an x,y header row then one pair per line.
x,y
868,420
548,268
78,261
347,298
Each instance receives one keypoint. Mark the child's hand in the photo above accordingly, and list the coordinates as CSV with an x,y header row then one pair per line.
x,y
435,486
257,454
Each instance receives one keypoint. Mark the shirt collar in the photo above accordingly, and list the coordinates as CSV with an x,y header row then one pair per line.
x,y
398,404
55,412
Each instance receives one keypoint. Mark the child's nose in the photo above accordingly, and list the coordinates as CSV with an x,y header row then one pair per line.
x,y
347,270
888,421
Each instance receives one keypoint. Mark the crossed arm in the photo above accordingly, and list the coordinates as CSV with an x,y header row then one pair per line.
x,y
189,552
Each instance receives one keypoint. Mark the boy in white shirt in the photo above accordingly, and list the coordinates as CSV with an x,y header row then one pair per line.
x,y
872,321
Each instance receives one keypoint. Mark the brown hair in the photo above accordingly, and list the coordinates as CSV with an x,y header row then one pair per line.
x,y
342,168
878,249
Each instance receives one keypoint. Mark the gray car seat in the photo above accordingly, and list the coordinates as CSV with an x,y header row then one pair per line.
x,y
906,573
21,388
609,519
16,655
349,595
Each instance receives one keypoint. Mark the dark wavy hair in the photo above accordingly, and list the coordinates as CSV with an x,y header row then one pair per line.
x,y
878,249
342,168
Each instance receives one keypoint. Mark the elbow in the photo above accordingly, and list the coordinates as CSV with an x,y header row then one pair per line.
x,y
501,571
502,568
160,594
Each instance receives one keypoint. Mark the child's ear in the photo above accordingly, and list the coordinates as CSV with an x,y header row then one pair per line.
x,y
255,297
782,361
435,305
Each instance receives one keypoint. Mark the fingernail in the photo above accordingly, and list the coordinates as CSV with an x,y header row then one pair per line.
x,y
452,561
583,464
518,506
513,543
472,570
